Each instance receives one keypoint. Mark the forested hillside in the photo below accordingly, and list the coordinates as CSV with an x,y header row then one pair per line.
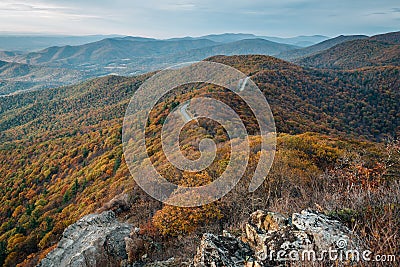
x,y
314,49
355,103
16,77
61,155
380,50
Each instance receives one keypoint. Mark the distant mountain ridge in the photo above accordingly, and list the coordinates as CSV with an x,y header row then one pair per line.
x,y
301,41
242,47
391,37
110,49
28,43
379,50
307,51
129,56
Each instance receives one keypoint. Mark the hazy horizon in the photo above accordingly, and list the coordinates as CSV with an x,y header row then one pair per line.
x,y
161,19
44,34
33,34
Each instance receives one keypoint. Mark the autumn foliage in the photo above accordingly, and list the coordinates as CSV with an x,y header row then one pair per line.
x,y
61,154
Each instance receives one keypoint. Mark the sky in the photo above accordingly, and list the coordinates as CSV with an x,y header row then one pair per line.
x,y
164,18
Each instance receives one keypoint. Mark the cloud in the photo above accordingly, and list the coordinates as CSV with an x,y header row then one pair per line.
x,y
376,13
30,9
177,7
168,18
23,6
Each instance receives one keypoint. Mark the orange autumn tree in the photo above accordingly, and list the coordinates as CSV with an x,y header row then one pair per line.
x,y
175,221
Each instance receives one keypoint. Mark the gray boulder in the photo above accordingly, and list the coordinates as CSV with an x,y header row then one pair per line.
x,y
218,251
94,240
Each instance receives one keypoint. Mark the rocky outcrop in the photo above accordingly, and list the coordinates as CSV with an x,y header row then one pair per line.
x,y
222,251
94,240
274,240
269,239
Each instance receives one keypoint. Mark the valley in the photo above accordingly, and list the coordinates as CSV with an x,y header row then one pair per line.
x,y
131,56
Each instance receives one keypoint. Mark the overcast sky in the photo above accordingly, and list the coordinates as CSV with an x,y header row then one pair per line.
x,y
166,18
